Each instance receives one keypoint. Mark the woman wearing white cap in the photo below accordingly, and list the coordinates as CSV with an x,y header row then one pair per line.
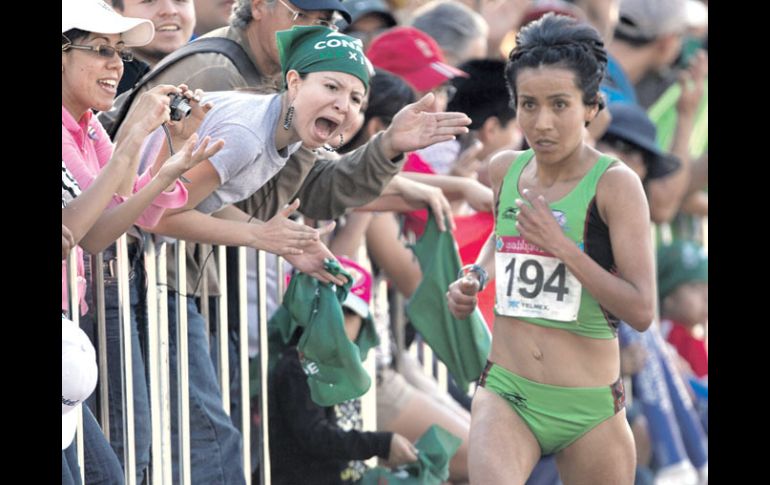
x,y
95,42
94,45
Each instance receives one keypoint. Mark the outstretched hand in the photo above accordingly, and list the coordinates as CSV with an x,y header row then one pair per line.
x,y
283,236
417,126
189,156
311,260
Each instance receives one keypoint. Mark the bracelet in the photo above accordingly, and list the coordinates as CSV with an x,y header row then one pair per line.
x,y
479,270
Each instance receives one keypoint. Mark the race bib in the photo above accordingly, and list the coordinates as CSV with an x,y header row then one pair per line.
x,y
530,282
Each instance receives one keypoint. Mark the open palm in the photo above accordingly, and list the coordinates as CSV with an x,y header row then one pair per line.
x,y
417,126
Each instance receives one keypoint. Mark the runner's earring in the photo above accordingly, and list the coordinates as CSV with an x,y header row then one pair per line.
x,y
288,118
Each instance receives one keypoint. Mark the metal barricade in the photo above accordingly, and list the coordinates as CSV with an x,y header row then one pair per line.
x,y
74,315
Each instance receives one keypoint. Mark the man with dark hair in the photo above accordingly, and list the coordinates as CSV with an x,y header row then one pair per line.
x,y
483,96
174,22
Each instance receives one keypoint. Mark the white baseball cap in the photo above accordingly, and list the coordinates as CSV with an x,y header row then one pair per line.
x,y
650,19
78,376
97,16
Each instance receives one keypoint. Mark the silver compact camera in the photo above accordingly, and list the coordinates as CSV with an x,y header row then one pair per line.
x,y
180,107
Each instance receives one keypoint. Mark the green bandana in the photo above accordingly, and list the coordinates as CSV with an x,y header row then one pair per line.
x,y
315,49
331,361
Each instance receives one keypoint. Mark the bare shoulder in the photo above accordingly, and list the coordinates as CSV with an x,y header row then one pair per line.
x,y
619,191
499,165
619,178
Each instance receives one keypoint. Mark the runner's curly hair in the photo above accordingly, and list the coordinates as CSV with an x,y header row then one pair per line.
x,y
560,41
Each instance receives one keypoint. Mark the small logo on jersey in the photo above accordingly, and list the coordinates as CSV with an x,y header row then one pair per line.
x,y
510,213
560,217
499,243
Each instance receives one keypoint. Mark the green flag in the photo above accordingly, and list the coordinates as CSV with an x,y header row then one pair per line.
x,y
463,345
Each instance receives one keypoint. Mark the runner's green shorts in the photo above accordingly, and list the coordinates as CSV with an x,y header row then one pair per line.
x,y
556,415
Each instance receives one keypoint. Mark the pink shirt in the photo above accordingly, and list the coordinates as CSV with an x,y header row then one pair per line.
x,y
85,149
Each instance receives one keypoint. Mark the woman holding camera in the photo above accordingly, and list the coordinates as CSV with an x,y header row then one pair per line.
x,y
95,42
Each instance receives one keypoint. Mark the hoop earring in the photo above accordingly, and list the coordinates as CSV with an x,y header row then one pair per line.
x,y
288,118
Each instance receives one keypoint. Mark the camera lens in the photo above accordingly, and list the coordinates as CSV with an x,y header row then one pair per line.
x,y
179,106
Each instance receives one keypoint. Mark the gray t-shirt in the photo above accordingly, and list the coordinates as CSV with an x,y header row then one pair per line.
x,y
246,122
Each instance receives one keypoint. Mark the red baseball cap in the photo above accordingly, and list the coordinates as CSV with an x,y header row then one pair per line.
x,y
414,56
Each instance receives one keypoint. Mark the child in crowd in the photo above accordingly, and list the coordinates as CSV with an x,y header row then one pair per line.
x,y
312,444
684,302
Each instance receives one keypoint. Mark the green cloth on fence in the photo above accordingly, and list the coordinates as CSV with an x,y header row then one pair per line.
x,y
463,345
331,361
437,447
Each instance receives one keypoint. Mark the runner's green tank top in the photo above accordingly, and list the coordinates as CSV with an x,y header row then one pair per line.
x,y
533,285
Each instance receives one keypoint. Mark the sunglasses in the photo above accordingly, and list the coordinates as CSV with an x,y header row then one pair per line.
x,y
106,51
304,19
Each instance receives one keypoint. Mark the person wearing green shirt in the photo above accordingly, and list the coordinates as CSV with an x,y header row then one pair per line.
x,y
572,256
